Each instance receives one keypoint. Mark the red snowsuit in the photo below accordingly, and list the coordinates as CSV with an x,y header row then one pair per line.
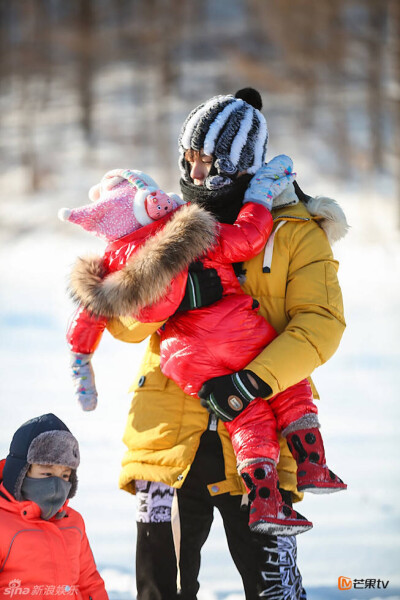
x,y
214,340
41,558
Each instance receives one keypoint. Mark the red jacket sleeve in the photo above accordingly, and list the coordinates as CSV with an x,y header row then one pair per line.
x,y
85,331
248,235
168,304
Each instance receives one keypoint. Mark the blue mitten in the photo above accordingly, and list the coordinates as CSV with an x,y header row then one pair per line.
x,y
83,378
270,180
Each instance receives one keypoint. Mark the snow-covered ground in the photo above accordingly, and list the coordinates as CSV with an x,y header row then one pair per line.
x,y
356,534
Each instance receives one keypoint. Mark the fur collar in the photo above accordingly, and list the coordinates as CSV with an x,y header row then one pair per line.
x,y
326,212
329,216
145,278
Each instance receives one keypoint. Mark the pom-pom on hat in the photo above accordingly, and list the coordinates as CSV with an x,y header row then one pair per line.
x,y
232,130
122,202
43,440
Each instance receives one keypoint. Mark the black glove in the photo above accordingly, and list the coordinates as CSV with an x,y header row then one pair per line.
x,y
203,287
229,395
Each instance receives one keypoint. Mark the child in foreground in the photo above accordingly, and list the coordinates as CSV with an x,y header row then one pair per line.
x,y
44,549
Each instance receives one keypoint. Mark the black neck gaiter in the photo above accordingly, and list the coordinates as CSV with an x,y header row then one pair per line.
x,y
224,203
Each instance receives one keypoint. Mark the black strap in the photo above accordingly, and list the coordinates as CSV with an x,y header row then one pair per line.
x,y
300,194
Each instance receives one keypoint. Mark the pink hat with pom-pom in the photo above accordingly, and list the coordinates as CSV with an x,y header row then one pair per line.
x,y
122,202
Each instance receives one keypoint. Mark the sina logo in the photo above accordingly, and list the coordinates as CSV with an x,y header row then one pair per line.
x,y
14,589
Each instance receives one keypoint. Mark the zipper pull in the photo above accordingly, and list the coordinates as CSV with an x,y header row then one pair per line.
x,y
212,422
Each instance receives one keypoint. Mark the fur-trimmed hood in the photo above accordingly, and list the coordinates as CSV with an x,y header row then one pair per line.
x,y
327,212
329,216
146,276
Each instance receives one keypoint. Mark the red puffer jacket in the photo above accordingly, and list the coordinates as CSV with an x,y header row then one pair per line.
x,y
224,337
42,558
207,342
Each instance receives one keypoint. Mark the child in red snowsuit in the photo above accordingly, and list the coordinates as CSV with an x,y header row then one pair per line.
x,y
201,344
44,549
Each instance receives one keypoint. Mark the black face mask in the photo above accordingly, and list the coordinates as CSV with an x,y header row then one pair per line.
x,y
224,203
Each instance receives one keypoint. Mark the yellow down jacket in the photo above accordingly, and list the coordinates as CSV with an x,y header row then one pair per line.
x,y
295,281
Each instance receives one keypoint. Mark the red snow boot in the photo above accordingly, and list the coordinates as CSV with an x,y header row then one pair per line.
x,y
268,513
313,474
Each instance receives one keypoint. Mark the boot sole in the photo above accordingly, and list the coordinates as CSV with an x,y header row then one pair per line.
x,y
280,528
315,489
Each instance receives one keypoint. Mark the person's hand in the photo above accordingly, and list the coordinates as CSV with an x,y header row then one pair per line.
x,y
270,180
203,288
83,378
229,395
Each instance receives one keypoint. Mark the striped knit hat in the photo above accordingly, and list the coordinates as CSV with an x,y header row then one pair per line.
x,y
232,130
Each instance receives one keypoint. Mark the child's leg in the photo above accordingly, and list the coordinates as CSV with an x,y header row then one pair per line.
x,y
295,405
253,433
255,442
297,419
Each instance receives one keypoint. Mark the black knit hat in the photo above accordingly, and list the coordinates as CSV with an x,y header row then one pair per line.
x,y
43,440
232,130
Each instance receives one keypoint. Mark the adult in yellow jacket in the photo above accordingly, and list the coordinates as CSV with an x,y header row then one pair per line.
x,y
173,443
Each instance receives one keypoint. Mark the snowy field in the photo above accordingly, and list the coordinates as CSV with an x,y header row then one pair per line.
x,y
356,534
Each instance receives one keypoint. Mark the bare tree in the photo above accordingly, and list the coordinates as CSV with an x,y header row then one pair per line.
x,y
85,64
375,42
394,44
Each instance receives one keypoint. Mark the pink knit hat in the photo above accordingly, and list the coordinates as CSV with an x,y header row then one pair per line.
x,y
122,202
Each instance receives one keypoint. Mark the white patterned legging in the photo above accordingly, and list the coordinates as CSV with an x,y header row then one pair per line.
x,y
282,578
